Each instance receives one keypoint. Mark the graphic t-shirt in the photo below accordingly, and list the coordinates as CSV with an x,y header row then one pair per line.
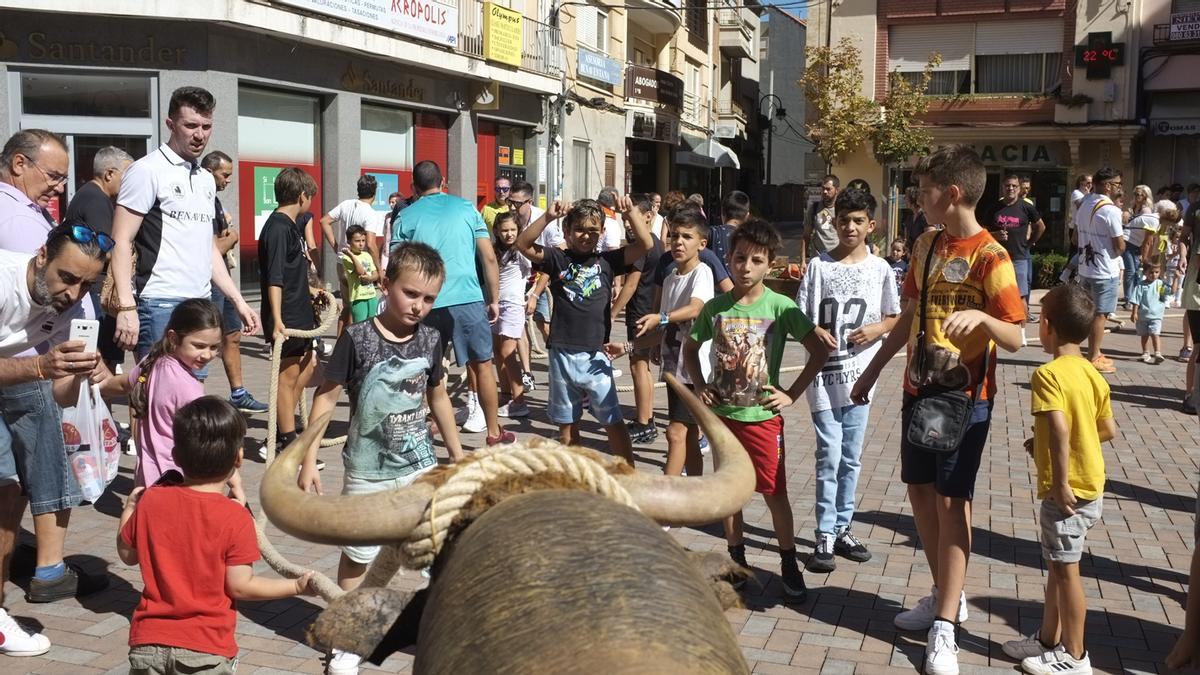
x,y
387,382
172,386
1015,219
514,271
357,288
581,285
1098,222
824,232
185,539
678,291
283,262
900,272
747,348
93,207
841,298
718,243
971,273
451,225
1072,386
1150,297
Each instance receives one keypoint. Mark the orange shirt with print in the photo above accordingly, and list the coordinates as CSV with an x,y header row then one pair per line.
x,y
971,273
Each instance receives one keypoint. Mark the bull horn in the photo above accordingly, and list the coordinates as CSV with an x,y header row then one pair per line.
x,y
675,500
377,518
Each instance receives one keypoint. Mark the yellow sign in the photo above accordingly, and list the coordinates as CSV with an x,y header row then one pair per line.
x,y
518,156
501,34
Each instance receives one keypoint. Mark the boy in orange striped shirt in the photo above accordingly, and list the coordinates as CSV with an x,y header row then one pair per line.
x,y
973,301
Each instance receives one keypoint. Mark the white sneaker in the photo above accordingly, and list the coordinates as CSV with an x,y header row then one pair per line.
x,y
1024,340
15,641
1057,662
513,410
617,372
1147,358
343,663
941,653
921,617
475,421
1026,647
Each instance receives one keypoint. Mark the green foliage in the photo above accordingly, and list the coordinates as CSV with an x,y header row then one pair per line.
x,y
841,118
1047,267
897,136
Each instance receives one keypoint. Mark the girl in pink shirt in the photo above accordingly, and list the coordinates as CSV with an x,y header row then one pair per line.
x,y
165,381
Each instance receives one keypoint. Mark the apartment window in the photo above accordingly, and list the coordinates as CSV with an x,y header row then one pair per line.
x,y
641,53
1181,6
697,21
579,165
996,57
591,29
610,169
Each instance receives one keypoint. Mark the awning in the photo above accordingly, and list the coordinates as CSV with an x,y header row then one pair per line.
x,y
706,153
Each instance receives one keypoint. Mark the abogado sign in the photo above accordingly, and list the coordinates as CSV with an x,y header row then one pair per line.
x,y
648,84
430,20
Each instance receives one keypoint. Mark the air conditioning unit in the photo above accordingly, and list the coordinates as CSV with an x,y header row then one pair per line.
x,y
725,130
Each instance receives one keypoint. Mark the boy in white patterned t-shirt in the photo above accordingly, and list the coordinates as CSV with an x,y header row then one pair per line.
x,y
852,295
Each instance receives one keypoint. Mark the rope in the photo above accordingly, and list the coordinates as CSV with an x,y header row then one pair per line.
x,y
427,539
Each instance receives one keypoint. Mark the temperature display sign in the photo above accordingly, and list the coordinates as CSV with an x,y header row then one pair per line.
x,y
1099,55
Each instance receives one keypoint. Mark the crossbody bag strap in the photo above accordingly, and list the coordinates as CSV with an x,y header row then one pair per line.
x,y
987,355
925,281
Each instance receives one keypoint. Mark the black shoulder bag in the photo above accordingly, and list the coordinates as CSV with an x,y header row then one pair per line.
x,y
940,416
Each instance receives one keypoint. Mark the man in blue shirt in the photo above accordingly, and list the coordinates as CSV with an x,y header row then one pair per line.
x,y
452,226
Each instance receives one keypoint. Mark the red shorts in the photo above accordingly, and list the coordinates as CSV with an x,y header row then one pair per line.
x,y
764,443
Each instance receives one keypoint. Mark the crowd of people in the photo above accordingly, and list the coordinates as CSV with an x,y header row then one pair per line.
x,y
435,273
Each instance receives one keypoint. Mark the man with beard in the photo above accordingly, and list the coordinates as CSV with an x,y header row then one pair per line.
x,y
39,297
33,173
1099,225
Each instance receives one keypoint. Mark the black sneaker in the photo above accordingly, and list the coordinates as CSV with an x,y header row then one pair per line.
x,y
738,555
821,561
642,434
74,583
793,579
1189,406
850,547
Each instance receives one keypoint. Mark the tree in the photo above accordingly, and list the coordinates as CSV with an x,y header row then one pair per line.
x,y
841,117
896,137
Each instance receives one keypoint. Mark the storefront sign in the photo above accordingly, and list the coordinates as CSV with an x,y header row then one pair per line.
x,y
1019,153
487,96
430,20
503,155
652,125
1185,26
1099,55
1177,127
264,195
147,51
598,67
648,84
387,184
364,82
501,34
518,156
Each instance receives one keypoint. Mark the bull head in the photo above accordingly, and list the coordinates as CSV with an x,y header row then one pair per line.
x,y
388,517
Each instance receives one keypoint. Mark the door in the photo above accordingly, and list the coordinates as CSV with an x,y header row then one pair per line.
x,y
82,149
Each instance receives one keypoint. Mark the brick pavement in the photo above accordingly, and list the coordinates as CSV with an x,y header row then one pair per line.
x,y
1135,596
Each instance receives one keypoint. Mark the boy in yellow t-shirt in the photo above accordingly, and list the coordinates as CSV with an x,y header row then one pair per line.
x,y
358,270
1072,417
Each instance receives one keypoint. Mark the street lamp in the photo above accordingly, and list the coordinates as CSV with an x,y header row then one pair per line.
x,y
779,113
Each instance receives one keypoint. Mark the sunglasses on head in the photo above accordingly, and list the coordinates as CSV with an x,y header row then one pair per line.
x,y
83,234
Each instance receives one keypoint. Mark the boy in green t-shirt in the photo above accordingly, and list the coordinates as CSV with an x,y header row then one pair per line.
x,y
360,274
1072,417
748,327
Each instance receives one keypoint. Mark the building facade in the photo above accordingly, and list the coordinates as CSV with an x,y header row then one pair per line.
x,y
1170,92
1045,88
340,95
790,164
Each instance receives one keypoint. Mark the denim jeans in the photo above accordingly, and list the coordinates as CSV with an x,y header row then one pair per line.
x,y
33,422
840,434
1132,257
153,316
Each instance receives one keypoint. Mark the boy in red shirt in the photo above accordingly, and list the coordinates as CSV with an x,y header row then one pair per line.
x,y
973,304
199,558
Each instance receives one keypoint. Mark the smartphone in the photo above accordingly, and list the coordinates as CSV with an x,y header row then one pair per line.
x,y
85,330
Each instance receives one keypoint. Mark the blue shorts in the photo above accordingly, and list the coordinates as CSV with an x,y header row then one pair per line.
x,y
575,374
31,447
952,473
1103,292
1022,269
541,311
1148,326
466,326
231,321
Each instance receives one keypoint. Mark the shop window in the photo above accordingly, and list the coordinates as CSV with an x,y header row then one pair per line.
x,y
85,95
386,138
579,169
277,127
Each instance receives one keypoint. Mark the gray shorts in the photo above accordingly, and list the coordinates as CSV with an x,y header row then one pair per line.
x,y
365,555
164,660
1062,535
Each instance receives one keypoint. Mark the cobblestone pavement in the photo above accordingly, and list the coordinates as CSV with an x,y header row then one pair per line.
x,y
1134,573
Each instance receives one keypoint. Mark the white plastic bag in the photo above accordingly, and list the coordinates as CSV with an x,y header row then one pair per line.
x,y
90,436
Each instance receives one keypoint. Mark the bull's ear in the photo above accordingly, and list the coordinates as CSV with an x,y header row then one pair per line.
x,y
369,621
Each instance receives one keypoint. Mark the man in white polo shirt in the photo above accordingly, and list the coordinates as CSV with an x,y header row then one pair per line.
x,y
165,213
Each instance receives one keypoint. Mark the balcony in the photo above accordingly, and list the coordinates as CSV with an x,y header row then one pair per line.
x,y
731,111
656,16
540,51
694,111
736,27
1185,33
